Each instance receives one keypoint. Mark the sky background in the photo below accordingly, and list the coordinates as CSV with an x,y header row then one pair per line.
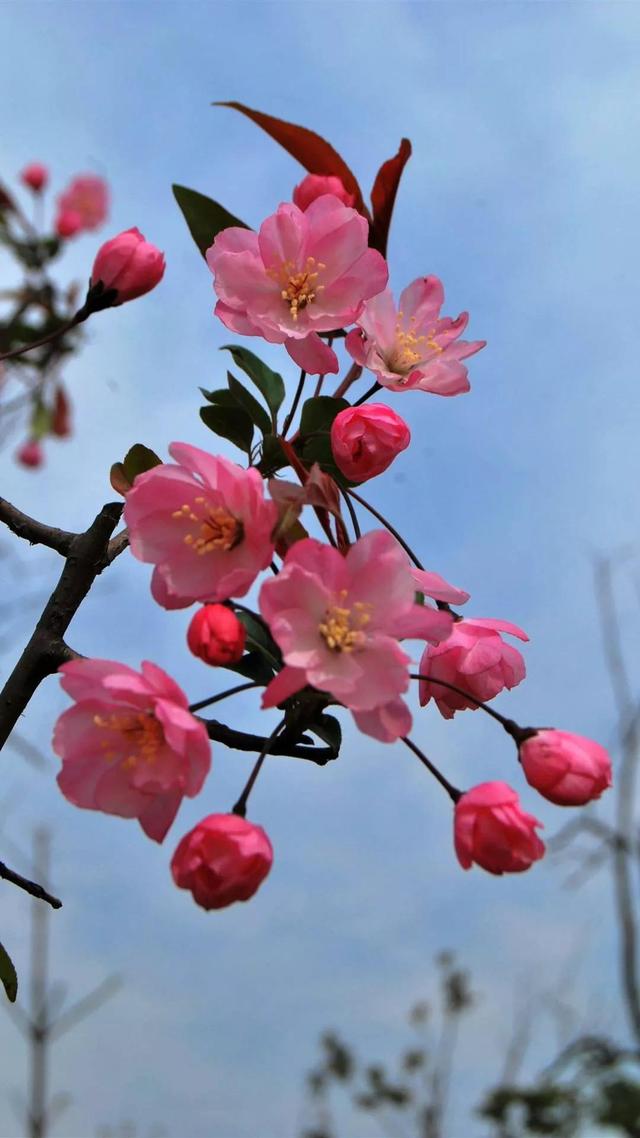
x,y
522,195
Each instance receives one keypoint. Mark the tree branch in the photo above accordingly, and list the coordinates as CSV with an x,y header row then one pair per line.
x,y
243,741
36,533
30,887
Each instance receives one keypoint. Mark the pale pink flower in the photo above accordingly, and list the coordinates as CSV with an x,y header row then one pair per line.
x,y
568,769
365,440
315,185
35,176
129,265
303,273
205,525
130,746
492,830
413,347
338,621
476,659
222,860
86,197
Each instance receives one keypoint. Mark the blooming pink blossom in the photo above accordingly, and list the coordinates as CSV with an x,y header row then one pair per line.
x,y
84,203
303,273
565,768
30,453
338,621
216,635
474,658
315,185
413,347
222,860
365,440
205,525
130,746
35,176
491,830
129,265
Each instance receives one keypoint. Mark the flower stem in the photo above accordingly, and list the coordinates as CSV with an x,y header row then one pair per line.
x,y
452,791
519,734
80,315
222,695
381,518
354,517
240,807
372,390
294,405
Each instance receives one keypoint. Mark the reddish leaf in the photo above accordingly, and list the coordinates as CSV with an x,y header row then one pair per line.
x,y
383,195
313,152
118,479
6,201
61,417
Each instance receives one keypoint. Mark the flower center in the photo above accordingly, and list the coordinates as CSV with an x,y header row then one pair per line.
x,y
341,628
216,528
141,730
410,349
298,287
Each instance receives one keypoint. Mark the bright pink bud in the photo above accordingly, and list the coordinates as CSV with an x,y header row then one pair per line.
x,y
222,860
216,635
315,185
30,453
365,440
128,264
68,223
565,768
491,830
35,176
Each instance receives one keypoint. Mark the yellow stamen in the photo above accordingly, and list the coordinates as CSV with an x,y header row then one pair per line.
x,y
142,732
217,528
298,286
341,627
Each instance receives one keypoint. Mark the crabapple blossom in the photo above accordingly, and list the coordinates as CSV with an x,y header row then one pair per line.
x,y
129,265
338,621
30,453
222,860
315,185
474,658
413,347
129,746
492,830
567,769
216,635
303,273
83,205
68,223
35,176
365,440
205,525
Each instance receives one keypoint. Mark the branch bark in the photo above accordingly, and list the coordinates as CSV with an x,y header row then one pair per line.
x,y
243,741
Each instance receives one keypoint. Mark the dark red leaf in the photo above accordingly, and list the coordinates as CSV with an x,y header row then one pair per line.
x,y
383,195
313,152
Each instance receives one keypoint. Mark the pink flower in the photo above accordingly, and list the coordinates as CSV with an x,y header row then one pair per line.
x,y
30,453
365,440
205,525
222,860
491,830
130,746
565,768
35,176
474,658
216,635
315,185
338,621
413,347
303,273
129,265
85,204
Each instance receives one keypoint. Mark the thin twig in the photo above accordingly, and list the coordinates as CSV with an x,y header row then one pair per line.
x,y
30,887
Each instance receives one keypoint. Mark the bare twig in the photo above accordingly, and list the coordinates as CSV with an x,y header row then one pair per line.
x,y
30,887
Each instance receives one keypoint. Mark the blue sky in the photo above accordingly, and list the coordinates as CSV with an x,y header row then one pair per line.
x,y
522,195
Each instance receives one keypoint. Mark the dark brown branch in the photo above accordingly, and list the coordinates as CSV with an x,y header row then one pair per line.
x,y
36,533
243,741
87,556
30,887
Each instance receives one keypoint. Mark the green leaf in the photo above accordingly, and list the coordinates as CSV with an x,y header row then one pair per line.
x,y
245,399
40,424
205,217
139,459
254,666
259,637
318,413
327,728
273,458
268,382
315,440
228,421
8,975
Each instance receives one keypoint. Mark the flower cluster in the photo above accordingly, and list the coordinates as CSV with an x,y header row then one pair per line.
x,y
342,616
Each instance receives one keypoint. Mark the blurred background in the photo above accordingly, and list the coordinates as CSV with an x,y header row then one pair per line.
x,y
523,196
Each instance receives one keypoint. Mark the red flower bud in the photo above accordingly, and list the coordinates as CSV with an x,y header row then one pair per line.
x,y
365,440
30,453
567,769
61,415
315,185
68,223
491,830
128,264
216,635
222,860
35,176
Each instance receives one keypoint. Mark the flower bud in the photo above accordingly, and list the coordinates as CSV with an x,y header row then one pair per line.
x,y
491,830
61,414
365,440
314,185
35,176
474,658
567,769
216,635
128,265
30,453
222,860
68,223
